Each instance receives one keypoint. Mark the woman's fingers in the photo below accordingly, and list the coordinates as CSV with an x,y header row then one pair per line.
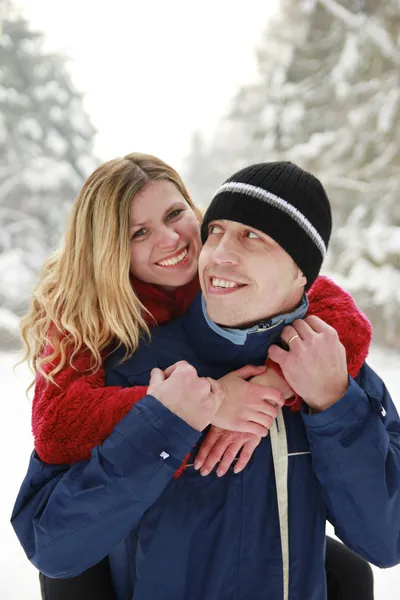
x,y
246,454
250,371
215,454
228,457
269,394
222,447
208,443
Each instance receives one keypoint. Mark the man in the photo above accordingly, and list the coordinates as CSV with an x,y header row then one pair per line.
x,y
259,534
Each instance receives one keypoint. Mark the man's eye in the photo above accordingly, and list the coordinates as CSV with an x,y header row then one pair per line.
x,y
252,236
214,229
175,213
139,233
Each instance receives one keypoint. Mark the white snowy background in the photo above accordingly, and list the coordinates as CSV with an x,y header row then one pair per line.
x,y
208,87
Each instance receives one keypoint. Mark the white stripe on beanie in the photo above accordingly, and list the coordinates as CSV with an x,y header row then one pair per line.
x,y
277,202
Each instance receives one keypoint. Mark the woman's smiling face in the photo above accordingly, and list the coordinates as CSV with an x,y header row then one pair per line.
x,y
165,236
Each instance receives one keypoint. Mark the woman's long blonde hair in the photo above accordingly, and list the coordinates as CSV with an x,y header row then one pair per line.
x,y
84,297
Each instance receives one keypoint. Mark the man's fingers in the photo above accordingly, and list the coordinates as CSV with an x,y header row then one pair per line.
x,y
228,457
216,388
156,376
246,454
303,329
169,370
317,324
181,365
277,354
250,371
290,334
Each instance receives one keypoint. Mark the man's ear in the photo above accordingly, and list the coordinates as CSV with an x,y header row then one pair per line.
x,y
301,279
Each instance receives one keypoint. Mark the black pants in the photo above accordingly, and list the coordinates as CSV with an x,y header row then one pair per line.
x,y
349,577
93,584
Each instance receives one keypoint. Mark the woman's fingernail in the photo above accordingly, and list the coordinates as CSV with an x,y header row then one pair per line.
x,y
220,473
236,470
204,473
197,465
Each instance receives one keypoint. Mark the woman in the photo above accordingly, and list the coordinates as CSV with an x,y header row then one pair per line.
x,y
119,272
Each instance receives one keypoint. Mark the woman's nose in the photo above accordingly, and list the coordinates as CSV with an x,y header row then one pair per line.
x,y
168,239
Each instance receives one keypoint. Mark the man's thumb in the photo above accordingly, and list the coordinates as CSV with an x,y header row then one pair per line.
x,y
156,376
217,390
250,371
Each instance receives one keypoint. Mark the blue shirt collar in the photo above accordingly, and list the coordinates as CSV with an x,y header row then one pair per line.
x,y
239,336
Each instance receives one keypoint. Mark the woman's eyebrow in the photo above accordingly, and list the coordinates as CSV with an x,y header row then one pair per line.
x,y
167,210
132,225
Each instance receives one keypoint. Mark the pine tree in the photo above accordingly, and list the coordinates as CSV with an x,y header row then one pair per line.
x,y
327,96
46,152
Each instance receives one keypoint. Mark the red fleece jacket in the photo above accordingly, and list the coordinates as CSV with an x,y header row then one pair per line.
x,y
71,418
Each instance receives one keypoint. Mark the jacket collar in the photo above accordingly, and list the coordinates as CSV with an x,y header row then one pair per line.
x,y
221,345
239,336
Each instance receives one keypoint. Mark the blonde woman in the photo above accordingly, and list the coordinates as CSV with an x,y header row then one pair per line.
x,y
121,270
118,272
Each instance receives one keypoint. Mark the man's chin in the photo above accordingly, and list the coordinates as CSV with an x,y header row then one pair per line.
x,y
221,317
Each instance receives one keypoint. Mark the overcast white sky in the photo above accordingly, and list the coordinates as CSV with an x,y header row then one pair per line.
x,y
153,70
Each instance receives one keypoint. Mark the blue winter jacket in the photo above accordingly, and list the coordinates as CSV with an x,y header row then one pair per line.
x,y
253,536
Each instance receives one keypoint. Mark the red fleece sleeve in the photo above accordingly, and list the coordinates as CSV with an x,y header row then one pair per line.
x,y
71,418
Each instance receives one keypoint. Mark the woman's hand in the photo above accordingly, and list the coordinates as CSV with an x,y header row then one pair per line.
x,y
270,378
224,446
247,406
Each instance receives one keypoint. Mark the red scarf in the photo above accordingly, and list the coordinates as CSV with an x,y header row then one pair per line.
x,y
164,305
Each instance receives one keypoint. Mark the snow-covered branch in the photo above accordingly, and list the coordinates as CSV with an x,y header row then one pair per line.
x,y
368,25
345,183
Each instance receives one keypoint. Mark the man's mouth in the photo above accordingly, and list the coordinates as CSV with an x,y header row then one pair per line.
x,y
174,259
218,284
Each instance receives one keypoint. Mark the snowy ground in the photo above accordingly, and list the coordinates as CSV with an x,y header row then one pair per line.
x,y
18,579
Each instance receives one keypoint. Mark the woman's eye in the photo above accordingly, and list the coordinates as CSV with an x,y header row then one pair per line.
x,y
139,233
175,213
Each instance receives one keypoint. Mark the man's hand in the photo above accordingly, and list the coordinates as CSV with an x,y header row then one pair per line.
x,y
192,398
247,407
315,365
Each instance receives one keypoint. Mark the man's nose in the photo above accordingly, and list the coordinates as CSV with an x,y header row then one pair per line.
x,y
226,252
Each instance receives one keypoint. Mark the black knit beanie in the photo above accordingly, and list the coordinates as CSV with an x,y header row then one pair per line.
x,y
283,201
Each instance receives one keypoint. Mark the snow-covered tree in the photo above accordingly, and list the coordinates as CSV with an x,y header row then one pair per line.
x,y
45,153
327,96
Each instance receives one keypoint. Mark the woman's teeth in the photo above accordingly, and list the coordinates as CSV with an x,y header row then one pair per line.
x,y
169,262
223,284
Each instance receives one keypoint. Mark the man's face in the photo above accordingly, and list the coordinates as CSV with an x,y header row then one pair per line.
x,y
245,276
